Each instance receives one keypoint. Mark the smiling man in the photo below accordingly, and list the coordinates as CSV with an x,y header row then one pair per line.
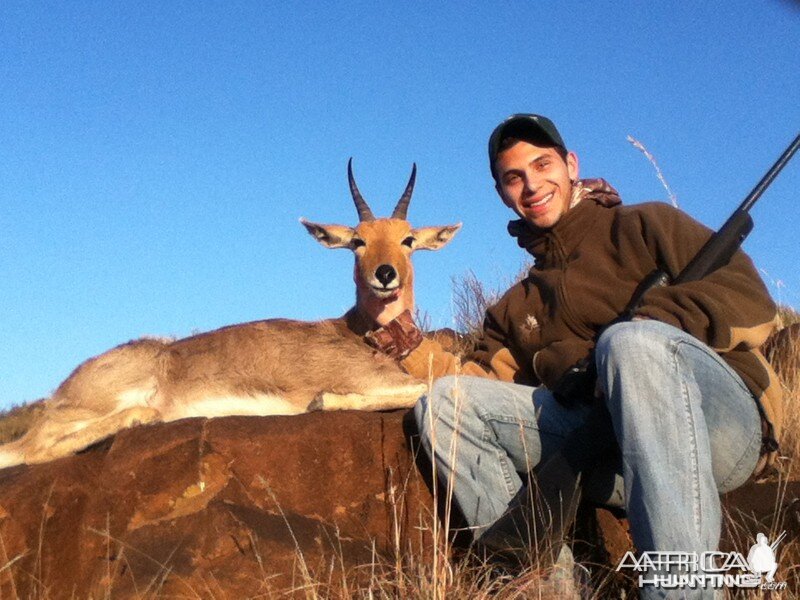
x,y
534,178
683,396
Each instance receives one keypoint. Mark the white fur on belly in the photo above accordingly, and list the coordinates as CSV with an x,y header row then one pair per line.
x,y
262,405
135,397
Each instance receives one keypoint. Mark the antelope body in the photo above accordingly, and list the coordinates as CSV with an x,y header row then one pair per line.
x,y
271,367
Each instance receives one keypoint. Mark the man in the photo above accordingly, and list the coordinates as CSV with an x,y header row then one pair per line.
x,y
685,397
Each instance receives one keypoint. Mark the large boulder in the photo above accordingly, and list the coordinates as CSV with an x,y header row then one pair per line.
x,y
240,504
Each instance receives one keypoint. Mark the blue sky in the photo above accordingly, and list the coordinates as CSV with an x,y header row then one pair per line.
x,y
155,157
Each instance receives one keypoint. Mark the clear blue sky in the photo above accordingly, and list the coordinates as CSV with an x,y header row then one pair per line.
x,y
155,156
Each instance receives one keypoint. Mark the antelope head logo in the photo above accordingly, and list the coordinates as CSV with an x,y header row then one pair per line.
x,y
383,274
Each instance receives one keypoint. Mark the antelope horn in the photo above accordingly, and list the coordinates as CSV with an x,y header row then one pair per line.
x,y
402,205
364,213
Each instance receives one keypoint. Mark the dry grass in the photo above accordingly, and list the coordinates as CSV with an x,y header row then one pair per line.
x,y
17,420
787,315
385,578
673,199
740,528
471,298
786,362
470,301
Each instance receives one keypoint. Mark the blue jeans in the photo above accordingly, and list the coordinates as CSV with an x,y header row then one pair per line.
x,y
685,425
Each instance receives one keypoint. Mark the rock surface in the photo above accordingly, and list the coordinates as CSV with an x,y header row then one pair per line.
x,y
234,507
237,507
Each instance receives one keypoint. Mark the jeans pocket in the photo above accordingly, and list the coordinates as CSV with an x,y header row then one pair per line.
x,y
743,468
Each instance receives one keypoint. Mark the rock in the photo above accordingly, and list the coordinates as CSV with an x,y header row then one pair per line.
x,y
241,504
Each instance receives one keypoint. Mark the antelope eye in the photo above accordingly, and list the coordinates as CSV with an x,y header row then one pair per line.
x,y
409,241
357,243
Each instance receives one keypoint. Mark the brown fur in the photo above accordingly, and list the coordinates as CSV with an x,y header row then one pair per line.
x,y
268,367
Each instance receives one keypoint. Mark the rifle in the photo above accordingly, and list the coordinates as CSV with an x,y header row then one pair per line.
x,y
541,516
722,245
578,382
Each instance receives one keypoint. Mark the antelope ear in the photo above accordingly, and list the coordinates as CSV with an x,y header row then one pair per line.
x,y
433,238
330,236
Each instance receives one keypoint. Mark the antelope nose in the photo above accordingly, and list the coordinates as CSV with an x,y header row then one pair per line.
x,y
385,274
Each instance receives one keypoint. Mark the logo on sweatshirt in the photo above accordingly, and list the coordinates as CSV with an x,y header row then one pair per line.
x,y
530,324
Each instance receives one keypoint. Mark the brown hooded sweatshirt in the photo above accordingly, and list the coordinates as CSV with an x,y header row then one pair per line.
x,y
586,270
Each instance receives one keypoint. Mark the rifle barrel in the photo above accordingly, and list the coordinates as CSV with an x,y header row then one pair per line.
x,y
771,174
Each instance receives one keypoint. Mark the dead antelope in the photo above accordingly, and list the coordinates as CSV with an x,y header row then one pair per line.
x,y
272,367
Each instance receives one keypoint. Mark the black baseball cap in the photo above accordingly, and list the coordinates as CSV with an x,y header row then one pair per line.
x,y
525,126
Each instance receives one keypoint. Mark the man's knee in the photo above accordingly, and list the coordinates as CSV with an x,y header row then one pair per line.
x,y
452,401
443,388
435,405
633,351
622,336
632,342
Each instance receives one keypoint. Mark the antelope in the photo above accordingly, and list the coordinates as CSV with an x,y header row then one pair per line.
x,y
270,367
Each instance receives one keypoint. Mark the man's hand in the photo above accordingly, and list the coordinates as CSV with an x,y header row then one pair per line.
x,y
578,385
397,338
